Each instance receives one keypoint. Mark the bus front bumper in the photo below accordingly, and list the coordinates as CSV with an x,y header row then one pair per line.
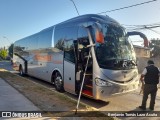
x,y
113,89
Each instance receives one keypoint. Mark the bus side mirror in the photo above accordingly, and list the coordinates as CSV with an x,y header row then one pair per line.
x,y
98,33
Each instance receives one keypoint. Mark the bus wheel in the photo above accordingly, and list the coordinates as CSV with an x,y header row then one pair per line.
x,y
58,82
21,73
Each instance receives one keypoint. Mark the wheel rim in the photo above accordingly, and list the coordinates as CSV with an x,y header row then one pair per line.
x,y
58,82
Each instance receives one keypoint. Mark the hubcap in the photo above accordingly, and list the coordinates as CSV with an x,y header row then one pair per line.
x,y
58,82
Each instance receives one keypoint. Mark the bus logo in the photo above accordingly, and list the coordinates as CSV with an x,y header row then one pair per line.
x,y
124,65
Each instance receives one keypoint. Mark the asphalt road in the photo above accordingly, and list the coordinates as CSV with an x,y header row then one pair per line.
x,y
128,102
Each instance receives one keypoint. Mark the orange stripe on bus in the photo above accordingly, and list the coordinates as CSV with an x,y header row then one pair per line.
x,y
46,58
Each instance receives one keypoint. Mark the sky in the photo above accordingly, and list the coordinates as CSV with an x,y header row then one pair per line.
x,y
21,18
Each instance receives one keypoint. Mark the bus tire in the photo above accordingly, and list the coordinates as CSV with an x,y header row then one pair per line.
x,y
21,73
58,82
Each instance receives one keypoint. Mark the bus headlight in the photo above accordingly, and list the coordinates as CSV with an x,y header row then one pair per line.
x,y
100,82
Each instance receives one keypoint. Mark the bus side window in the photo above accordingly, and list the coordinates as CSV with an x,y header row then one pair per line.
x,y
83,36
62,34
69,51
59,38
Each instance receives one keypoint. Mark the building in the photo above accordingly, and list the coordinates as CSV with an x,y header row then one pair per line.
x,y
142,51
142,55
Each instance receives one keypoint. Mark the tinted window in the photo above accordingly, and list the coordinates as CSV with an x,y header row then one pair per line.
x,y
31,42
83,36
69,50
62,34
20,45
115,49
45,38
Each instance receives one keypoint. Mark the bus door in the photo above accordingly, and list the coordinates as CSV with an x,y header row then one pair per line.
x,y
69,66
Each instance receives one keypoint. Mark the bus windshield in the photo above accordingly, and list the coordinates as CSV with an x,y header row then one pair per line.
x,y
116,49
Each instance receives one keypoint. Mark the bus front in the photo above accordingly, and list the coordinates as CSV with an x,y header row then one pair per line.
x,y
114,69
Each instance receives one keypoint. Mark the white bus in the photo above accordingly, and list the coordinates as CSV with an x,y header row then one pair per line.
x,y
59,55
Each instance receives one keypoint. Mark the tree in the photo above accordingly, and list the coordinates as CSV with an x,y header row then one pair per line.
x,y
10,50
155,47
3,53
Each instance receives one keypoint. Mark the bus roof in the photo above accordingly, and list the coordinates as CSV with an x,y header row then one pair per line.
x,y
88,17
80,19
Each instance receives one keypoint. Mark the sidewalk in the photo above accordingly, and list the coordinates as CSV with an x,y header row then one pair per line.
x,y
12,100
